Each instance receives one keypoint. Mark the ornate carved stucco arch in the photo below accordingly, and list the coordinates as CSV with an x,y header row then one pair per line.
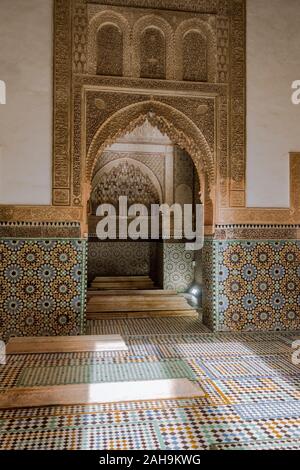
x,y
161,24
204,28
170,121
99,20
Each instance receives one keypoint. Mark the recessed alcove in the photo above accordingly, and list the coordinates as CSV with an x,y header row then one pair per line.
x,y
146,167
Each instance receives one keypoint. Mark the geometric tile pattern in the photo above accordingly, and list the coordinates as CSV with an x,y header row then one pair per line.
x,y
251,401
178,267
209,284
42,287
146,326
288,444
119,259
256,285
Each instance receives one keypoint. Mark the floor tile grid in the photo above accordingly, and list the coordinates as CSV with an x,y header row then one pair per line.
x,y
252,401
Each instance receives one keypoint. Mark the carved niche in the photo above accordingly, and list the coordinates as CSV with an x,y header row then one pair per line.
x,y
125,177
108,44
194,45
154,58
109,50
196,48
153,53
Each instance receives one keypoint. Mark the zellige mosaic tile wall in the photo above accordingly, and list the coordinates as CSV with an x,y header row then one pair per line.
x,y
178,267
252,285
42,287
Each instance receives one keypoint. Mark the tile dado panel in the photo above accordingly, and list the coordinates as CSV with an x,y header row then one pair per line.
x,y
252,285
42,287
125,258
177,267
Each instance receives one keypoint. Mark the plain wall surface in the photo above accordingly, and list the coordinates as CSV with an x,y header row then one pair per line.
x,y
273,122
26,118
273,130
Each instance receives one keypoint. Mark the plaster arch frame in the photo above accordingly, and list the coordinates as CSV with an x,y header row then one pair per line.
x,y
181,130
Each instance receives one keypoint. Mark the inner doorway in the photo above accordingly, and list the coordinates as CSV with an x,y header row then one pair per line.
x,y
145,166
148,168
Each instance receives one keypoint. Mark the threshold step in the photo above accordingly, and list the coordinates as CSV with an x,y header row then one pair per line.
x,y
57,344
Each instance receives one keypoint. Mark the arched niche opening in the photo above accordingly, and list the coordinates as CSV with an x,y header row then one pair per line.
x,y
153,53
146,166
195,46
195,38
109,50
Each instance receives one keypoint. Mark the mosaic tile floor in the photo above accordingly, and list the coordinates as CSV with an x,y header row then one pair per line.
x,y
252,392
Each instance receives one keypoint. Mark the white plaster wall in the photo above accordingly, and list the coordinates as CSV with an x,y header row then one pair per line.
x,y
273,122
26,119
273,63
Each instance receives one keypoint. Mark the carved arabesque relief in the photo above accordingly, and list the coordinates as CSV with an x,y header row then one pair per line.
x,y
221,26
109,50
195,44
152,53
154,48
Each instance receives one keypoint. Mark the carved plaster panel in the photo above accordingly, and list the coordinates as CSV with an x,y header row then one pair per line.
x,y
213,19
209,136
166,48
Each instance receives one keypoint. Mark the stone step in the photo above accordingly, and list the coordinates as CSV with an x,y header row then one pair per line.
x,y
154,292
141,314
62,344
122,282
121,278
110,392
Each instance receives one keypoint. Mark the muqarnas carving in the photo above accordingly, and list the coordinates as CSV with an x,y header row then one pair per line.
x,y
123,178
